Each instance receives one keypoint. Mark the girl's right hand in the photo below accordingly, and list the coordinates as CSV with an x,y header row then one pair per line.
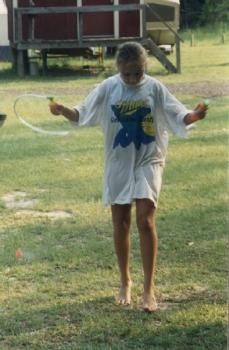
x,y
56,108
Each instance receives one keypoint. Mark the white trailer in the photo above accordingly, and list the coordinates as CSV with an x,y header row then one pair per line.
x,y
4,41
159,15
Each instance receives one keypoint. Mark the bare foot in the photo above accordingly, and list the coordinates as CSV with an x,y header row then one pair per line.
x,y
124,296
149,302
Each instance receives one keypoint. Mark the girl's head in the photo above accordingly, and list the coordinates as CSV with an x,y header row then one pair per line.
x,y
131,61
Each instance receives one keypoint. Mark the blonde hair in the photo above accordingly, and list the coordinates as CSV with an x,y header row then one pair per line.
x,y
131,52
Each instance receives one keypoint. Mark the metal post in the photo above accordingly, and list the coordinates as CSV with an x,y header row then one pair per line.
x,y
80,34
18,26
143,22
44,61
178,60
192,40
20,63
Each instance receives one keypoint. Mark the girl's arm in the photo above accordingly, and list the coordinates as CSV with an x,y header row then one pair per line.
x,y
198,113
69,113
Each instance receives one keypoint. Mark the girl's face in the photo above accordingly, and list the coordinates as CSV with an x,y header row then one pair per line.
x,y
132,73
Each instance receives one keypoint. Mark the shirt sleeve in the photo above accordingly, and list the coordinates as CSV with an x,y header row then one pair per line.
x,y
91,110
173,112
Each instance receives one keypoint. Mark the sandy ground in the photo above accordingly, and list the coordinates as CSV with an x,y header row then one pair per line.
x,y
24,206
202,89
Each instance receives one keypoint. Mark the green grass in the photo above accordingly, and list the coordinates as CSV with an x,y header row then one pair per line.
x,y
60,295
211,33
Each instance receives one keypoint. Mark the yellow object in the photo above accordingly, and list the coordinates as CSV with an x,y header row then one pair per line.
x,y
51,100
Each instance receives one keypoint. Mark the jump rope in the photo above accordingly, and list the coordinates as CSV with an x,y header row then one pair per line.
x,y
32,111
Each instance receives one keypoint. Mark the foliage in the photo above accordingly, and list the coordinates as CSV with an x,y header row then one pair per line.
x,y
202,12
214,12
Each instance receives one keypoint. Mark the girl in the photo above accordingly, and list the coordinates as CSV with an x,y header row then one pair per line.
x,y
135,112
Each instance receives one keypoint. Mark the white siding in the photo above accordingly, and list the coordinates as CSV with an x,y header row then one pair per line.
x,y
3,25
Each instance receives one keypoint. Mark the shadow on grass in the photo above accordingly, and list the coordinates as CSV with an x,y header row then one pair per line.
x,y
214,65
71,72
57,72
54,320
100,324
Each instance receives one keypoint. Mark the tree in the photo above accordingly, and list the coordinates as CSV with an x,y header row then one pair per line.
x,y
215,11
201,12
191,11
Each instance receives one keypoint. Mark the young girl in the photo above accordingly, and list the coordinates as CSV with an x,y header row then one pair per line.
x,y
135,112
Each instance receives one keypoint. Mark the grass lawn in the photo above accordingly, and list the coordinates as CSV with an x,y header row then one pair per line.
x,y
60,293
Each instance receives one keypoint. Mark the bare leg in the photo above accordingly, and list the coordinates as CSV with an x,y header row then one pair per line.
x,y
121,215
145,215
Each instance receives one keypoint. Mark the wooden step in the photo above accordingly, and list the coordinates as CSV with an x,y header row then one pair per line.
x,y
160,56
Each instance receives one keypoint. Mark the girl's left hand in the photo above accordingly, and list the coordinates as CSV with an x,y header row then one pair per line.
x,y
200,110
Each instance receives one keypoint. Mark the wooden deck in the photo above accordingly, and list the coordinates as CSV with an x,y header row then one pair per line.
x,y
21,45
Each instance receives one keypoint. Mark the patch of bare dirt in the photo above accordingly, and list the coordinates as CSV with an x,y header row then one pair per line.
x,y
53,215
203,89
19,200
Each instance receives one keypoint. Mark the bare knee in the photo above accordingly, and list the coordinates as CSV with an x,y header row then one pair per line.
x,y
122,226
121,215
146,224
145,216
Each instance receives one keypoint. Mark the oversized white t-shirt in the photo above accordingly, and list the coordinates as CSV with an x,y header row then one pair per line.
x,y
135,121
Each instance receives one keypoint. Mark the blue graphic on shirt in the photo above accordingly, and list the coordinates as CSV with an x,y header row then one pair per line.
x,y
137,124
